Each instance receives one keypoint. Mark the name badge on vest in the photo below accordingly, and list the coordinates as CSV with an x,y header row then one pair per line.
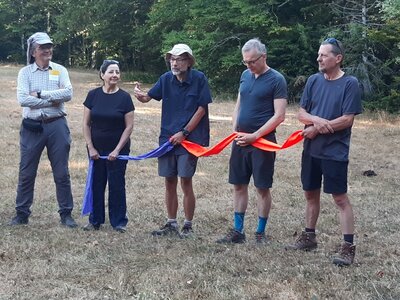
x,y
54,75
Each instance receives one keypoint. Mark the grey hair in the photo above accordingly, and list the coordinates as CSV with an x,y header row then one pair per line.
x,y
31,48
337,47
256,45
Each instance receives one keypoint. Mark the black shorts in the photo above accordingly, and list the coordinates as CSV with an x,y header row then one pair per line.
x,y
334,173
248,161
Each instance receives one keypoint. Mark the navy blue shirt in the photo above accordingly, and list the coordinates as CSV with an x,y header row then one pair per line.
x,y
257,98
107,119
331,99
180,101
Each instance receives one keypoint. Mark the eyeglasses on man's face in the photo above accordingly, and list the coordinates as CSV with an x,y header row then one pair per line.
x,y
45,47
251,62
177,59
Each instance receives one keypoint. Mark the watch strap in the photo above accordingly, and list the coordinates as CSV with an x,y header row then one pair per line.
x,y
185,132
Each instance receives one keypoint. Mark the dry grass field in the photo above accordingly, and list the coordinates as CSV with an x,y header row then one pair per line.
x,y
46,261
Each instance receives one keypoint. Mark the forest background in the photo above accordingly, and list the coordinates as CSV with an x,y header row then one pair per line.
x,y
46,261
138,32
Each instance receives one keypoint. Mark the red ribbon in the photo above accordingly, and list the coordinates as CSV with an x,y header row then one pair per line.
x,y
260,143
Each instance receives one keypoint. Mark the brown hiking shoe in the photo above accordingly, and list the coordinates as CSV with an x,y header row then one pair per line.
x,y
306,241
346,255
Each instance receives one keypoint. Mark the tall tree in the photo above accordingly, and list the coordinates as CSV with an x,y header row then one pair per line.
x,y
22,18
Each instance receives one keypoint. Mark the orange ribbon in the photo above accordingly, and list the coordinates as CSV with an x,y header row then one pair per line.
x,y
260,143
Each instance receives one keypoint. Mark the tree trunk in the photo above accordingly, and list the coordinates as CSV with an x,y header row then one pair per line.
x,y
23,45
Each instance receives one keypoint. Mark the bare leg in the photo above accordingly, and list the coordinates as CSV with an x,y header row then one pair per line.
x,y
264,202
312,207
189,200
171,196
240,197
346,216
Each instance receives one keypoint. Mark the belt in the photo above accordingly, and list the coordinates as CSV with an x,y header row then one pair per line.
x,y
49,120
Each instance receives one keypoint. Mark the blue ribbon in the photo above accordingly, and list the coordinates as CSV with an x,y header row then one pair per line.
x,y
87,205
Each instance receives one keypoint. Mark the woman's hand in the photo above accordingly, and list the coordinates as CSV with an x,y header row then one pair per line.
x,y
93,154
113,155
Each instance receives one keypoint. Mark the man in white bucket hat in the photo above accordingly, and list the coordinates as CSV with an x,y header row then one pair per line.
x,y
185,97
181,49
43,88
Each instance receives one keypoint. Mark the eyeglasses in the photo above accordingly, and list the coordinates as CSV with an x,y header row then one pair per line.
x,y
45,46
335,43
177,59
251,62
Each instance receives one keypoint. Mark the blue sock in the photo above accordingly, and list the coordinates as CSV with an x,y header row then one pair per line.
x,y
262,222
239,221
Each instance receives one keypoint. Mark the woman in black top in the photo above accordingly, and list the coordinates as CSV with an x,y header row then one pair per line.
x,y
107,126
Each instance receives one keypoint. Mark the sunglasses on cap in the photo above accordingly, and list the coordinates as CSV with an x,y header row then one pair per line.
x,y
110,61
335,43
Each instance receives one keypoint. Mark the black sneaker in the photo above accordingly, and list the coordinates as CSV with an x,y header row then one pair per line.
x,y
187,231
68,221
167,229
19,220
233,237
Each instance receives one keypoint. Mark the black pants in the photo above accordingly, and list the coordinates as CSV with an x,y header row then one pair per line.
x,y
112,172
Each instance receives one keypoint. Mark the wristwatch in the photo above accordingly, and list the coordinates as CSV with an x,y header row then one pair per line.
x,y
39,94
185,132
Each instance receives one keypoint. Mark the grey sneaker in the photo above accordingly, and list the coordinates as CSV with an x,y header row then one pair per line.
x,y
19,220
167,229
187,231
346,255
306,241
232,237
120,229
90,227
260,238
68,221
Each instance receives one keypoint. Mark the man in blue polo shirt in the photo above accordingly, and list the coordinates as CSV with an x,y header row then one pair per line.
x,y
260,108
185,97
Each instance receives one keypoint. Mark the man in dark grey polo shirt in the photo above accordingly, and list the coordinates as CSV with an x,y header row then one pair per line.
x,y
43,87
330,101
259,110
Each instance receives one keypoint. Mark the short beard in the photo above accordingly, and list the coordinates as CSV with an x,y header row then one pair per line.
x,y
176,72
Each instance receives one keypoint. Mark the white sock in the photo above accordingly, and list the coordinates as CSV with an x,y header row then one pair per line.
x,y
173,222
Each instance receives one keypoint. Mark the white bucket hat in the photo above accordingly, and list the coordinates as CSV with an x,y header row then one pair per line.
x,y
40,38
179,49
